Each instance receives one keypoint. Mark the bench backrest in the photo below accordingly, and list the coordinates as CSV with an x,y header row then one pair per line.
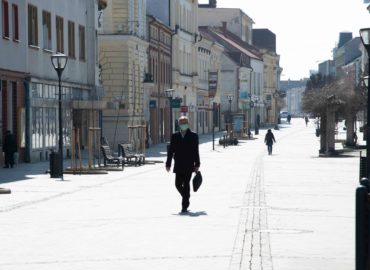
x,y
126,149
107,152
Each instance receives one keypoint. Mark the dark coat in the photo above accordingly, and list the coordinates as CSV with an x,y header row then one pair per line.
x,y
185,151
269,138
10,145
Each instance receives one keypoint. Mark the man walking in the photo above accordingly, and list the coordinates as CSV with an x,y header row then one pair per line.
x,y
9,148
269,140
184,148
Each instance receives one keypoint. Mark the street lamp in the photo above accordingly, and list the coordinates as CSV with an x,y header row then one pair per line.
x,y
365,38
59,62
256,117
169,95
230,99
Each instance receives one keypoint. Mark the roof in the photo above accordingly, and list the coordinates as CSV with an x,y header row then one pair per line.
x,y
232,48
237,46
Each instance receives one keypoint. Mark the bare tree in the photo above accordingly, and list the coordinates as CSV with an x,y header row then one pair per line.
x,y
325,97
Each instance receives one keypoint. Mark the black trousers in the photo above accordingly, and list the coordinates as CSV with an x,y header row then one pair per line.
x,y
9,159
182,183
269,148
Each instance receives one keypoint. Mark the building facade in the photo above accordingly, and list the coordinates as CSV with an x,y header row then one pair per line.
x,y
124,63
160,68
184,22
265,40
209,91
33,30
238,22
241,80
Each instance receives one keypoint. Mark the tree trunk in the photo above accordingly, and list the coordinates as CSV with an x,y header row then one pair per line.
x,y
350,125
331,132
322,133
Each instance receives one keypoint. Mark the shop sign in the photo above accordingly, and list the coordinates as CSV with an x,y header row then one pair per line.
x,y
152,104
212,83
184,109
176,103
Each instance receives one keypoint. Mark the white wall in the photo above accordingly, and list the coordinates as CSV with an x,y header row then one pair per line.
x,y
228,83
38,62
257,79
237,21
13,53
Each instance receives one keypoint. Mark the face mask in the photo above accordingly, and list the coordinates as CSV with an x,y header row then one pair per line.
x,y
184,127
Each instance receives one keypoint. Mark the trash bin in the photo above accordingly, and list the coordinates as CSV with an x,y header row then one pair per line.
x,y
55,168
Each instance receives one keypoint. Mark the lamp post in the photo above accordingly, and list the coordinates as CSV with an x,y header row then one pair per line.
x,y
169,95
230,99
256,117
365,38
59,62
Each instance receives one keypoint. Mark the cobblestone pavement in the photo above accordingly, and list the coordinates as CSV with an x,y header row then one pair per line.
x,y
290,210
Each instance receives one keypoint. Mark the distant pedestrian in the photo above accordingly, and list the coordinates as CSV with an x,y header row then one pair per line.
x,y
184,148
9,148
289,117
306,120
269,140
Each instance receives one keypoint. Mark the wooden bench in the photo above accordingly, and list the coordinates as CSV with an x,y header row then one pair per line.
x,y
109,159
130,157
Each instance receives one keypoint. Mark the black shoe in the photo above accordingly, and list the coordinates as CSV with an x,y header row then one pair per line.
x,y
184,211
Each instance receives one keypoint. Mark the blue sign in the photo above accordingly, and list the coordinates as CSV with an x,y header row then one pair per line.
x,y
152,104
244,95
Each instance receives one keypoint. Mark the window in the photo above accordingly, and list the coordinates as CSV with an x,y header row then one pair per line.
x,y
60,33
37,133
5,11
32,26
15,22
71,39
81,30
46,29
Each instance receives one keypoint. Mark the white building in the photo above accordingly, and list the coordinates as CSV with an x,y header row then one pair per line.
x,y
209,89
294,101
184,21
33,30
238,23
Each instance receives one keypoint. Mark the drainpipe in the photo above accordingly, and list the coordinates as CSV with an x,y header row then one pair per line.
x,y
250,101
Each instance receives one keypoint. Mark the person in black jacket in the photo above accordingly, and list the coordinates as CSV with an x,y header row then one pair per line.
x,y
184,149
9,148
269,140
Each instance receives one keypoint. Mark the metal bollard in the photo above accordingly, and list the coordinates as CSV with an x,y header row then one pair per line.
x,y
362,225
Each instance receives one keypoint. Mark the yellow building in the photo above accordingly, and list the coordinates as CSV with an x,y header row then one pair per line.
x,y
272,72
123,63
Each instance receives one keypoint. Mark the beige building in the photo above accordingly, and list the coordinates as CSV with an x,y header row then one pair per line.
x,y
123,63
272,99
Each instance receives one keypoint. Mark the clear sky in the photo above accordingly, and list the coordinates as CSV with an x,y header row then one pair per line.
x,y
306,30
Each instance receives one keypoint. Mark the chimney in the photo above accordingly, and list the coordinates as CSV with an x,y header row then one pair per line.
x,y
224,27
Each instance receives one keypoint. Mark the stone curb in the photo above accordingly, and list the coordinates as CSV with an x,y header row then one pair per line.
x,y
5,191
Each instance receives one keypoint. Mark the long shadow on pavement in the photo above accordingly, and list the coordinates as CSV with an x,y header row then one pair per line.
x,y
27,171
